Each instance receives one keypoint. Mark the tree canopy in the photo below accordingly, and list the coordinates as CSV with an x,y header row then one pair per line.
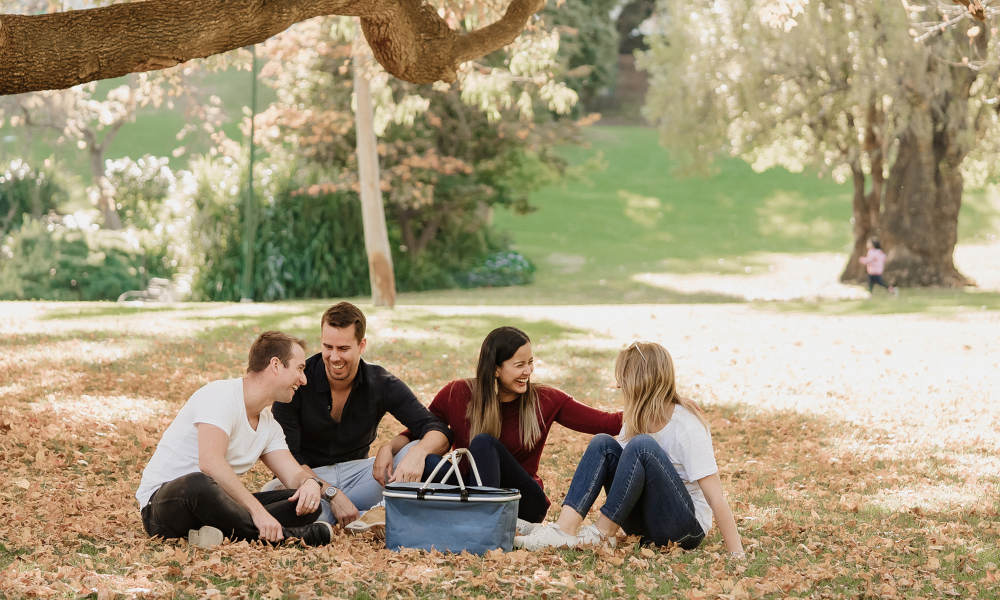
x,y
62,49
843,87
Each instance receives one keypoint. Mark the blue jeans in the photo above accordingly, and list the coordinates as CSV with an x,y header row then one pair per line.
x,y
645,495
354,478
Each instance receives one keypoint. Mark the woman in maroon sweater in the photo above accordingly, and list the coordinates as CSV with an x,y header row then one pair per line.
x,y
503,418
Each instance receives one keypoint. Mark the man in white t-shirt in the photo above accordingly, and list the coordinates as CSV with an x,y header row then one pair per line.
x,y
191,485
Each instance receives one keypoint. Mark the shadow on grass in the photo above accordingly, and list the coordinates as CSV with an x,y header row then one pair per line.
x,y
111,309
616,288
476,327
939,302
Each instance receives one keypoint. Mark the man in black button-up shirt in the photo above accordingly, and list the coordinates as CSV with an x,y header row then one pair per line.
x,y
333,419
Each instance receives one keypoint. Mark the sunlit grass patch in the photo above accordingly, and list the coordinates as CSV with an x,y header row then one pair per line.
x,y
104,409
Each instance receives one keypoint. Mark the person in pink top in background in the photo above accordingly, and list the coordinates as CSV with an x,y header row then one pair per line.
x,y
874,263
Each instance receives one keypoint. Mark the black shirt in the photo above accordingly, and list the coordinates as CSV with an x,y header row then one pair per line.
x,y
316,440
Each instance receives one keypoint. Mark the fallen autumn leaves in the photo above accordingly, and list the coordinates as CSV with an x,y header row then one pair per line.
x,y
860,459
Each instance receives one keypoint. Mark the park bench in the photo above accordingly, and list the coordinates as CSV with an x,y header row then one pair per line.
x,y
159,289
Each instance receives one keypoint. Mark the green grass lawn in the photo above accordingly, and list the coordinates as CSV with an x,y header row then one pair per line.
x,y
635,213
154,130
591,236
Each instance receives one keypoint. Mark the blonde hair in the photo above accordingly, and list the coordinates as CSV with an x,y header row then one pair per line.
x,y
483,411
645,373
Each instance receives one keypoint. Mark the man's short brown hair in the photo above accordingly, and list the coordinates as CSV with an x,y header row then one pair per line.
x,y
345,314
272,344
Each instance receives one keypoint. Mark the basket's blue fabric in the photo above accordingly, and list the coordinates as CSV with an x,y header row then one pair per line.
x,y
475,526
450,518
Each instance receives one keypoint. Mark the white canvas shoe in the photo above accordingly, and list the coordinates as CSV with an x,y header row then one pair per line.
x,y
205,537
526,527
546,536
591,535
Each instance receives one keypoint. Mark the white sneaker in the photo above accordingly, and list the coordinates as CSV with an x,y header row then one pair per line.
x,y
205,537
526,527
591,535
546,536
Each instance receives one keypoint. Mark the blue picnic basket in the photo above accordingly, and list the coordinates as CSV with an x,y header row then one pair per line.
x,y
447,517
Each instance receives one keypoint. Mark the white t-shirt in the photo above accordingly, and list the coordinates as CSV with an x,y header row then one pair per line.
x,y
689,446
218,403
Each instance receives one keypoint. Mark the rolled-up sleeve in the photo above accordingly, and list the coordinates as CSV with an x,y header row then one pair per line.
x,y
402,403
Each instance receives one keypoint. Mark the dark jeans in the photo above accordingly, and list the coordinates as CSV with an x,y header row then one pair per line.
x,y
195,499
645,495
873,279
498,468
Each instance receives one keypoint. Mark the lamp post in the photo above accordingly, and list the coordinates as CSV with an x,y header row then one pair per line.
x,y
249,213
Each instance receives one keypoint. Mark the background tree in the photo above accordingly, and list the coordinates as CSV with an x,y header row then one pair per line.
x,y
447,154
843,88
588,45
90,121
631,15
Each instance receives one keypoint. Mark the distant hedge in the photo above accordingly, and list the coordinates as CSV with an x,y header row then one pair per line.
x,y
308,246
47,260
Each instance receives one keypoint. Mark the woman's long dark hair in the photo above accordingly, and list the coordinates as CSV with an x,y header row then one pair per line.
x,y
483,412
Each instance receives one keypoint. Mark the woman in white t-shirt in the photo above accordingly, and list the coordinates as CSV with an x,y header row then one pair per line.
x,y
660,474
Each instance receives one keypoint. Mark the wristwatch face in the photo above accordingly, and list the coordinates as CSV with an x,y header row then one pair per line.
x,y
329,492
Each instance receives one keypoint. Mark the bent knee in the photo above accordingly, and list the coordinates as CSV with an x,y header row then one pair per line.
x,y
642,442
193,484
483,440
602,441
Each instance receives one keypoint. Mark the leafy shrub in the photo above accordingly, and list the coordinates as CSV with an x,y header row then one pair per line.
x,y
47,260
141,188
309,246
502,269
26,191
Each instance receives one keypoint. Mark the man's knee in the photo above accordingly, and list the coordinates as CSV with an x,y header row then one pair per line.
x,y
195,484
403,452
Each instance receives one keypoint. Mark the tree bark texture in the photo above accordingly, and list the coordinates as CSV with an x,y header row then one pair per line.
x,y
380,271
60,50
920,217
924,193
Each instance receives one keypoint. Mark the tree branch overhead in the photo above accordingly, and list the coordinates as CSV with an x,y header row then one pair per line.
x,y
60,50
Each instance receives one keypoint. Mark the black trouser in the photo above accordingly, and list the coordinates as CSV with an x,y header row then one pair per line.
x,y
498,468
873,279
195,499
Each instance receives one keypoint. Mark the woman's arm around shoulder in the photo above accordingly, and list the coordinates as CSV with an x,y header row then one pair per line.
x,y
711,486
577,415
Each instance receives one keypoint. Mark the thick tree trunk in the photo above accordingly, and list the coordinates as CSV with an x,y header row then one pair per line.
x,y
924,193
380,272
59,50
863,226
920,219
